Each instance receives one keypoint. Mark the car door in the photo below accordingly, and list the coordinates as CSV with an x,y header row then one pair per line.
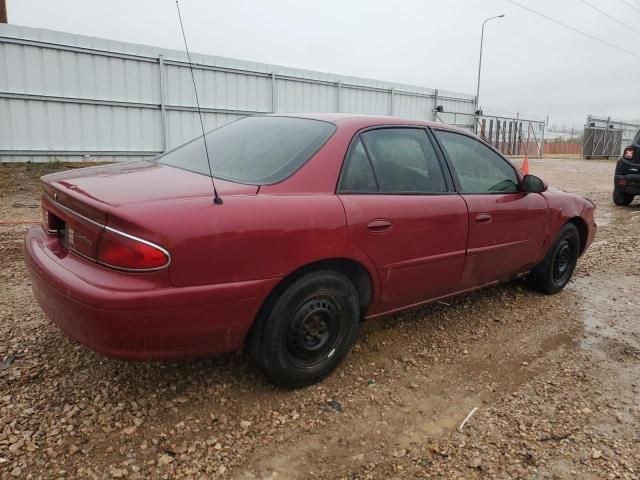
x,y
507,227
403,212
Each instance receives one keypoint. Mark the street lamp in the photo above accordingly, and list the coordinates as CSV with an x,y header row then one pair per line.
x,y
480,62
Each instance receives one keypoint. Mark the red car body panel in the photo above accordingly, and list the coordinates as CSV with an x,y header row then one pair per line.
x,y
565,206
227,259
123,316
430,236
506,233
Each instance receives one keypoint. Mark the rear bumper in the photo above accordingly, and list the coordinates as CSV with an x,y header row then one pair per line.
x,y
629,183
138,316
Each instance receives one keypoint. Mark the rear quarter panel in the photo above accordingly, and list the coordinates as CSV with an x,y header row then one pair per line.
x,y
249,237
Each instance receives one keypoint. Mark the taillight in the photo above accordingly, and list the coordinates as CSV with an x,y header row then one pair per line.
x,y
52,223
126,252
628,153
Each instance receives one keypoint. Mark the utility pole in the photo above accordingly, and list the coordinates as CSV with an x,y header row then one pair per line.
x,y
3,11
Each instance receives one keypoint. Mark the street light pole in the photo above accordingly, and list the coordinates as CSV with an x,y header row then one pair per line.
x,y
480,61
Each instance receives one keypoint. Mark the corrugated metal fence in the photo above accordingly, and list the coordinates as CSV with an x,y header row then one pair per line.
x,y
71,97
563,148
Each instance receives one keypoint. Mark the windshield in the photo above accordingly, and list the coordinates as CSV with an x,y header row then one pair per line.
x,y
253,150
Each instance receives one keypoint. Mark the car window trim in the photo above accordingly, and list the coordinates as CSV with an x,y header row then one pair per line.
x,y
452,168
444,165
347,159
369,161
449,182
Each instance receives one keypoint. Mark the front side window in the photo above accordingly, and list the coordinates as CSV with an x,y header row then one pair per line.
x,y
393,160
479,169
254,150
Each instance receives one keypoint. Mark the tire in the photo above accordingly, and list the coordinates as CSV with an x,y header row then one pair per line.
x,y
554,272
622,199
304,334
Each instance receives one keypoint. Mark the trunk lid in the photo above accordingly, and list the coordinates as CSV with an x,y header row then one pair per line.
x,y
144,199
112,186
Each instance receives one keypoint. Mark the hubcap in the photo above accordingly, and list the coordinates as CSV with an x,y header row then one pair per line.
x,y
314,330
562,262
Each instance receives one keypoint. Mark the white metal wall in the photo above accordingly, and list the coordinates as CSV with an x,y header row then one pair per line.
x,y
71,97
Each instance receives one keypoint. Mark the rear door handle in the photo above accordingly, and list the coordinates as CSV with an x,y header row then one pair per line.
x,y
379,225
483,218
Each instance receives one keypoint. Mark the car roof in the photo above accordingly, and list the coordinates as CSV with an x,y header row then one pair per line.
x,y
359,121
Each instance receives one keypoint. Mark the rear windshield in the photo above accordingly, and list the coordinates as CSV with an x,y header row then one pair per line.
x,y
253,150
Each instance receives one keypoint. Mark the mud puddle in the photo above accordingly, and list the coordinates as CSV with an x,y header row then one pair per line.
x,y
629,216
608,302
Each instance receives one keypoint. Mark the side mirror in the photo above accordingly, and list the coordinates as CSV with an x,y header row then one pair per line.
x,y
533,184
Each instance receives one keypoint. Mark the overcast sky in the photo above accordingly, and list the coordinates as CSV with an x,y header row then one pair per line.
x,y
530,65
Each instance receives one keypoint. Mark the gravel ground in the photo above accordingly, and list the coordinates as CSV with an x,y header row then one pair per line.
x,y
555,380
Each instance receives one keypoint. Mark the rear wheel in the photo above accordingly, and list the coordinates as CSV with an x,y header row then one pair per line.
x,y
621,198
307,331
555,271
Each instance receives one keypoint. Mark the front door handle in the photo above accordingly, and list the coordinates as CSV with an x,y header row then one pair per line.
x,y
483,218
379,225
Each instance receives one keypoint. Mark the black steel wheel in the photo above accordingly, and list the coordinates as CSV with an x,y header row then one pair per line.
x,y
304,334
562,262
314,330
555,271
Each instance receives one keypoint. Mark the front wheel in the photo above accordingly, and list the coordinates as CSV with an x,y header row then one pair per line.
x,y
622,199
555,271
307,331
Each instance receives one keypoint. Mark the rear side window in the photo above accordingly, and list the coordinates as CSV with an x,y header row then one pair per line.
x,y
393,160
479,169
254,150
358,175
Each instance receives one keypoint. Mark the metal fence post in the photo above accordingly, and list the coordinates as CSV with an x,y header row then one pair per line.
x,y
339,97
435,105
476,116
163,112
274,93
391,102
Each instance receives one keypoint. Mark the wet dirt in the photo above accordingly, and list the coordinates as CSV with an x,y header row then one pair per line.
x,y
556,380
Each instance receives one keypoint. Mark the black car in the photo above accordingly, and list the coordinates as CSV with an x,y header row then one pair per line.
x,y
627,179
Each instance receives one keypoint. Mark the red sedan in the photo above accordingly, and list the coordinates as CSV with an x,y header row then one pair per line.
x,y
325,220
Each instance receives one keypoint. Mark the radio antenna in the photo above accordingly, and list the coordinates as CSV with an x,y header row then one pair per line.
x,y
217,200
